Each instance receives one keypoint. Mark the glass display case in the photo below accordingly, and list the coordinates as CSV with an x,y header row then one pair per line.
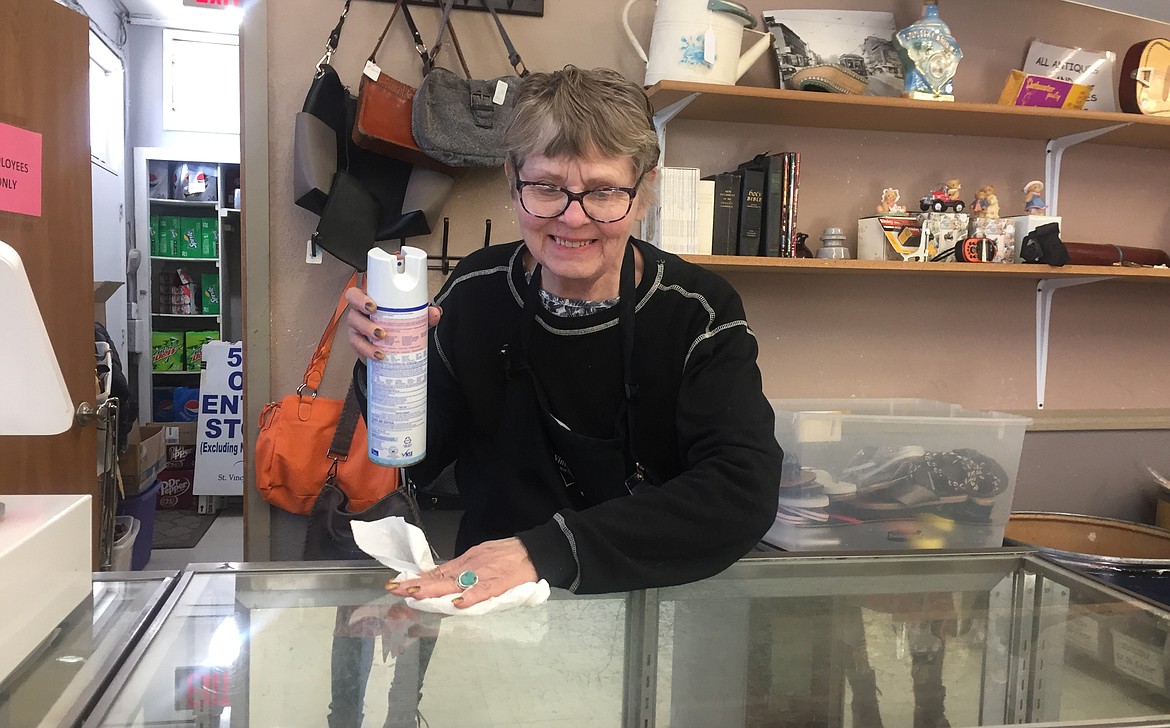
x,y
60,681
990,638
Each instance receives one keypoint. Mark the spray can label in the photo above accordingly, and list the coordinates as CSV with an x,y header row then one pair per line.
x,y
397,406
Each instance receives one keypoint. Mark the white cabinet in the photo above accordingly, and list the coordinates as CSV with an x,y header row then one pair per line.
x,y
187,227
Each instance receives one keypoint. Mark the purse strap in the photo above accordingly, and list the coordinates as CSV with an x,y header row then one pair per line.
x,y
419,46
334,39
320,359
343,435
513,56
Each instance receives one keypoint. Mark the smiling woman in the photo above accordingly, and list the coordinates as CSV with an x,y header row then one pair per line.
x,y
600,397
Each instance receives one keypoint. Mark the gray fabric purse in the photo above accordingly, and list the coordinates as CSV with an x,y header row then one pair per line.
x,y
460,121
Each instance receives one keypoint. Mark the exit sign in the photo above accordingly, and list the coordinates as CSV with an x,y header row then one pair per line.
x,y
212,3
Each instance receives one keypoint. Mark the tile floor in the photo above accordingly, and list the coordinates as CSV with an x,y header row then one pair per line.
x,y
224,541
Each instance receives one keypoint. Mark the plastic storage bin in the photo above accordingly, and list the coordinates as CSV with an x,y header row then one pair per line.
x,y
141,507
124,545
881,474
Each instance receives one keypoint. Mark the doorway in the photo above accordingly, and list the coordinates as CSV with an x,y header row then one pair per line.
x,y
181,152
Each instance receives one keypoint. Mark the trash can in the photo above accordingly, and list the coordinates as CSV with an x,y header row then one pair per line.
x,y
129,526
1129,555
142,507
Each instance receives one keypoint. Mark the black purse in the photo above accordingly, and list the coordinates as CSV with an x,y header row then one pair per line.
x,y
329,535
379,198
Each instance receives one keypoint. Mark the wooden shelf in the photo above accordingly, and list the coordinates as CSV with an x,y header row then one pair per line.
x,y
743,104
184,203
750,264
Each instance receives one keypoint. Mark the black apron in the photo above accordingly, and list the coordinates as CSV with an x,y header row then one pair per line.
x,y
543,453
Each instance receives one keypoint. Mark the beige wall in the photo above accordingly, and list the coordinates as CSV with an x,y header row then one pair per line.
x,y
960,340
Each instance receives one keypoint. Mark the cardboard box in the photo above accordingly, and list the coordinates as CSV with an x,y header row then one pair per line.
x,y
102,290
180,438
209,238
168,236
190,229
1025,224
194,341
1026,89
888,237
144,458
1002,231
209,293
176,490
166,351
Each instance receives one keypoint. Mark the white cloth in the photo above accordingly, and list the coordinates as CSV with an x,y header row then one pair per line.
x,y
404,548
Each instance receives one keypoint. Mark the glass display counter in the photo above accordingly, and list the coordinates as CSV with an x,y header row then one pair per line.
x,y
992,638
60,681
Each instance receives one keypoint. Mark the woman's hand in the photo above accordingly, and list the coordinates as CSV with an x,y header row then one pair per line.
x,y
500,565
362,332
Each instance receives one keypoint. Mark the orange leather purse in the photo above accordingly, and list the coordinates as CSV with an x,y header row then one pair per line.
x,y
385,106
293,453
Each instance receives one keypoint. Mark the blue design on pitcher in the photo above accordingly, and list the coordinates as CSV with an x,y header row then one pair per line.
x,y
692,51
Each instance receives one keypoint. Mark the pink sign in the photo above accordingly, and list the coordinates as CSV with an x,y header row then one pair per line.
x,y
20,171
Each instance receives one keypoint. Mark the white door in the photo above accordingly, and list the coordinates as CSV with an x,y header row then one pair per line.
x,y
107,136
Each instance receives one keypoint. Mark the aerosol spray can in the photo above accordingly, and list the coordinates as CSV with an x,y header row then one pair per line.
x,y
396,387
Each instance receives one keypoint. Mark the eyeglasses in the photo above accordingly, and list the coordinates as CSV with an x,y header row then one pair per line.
x,y
604,204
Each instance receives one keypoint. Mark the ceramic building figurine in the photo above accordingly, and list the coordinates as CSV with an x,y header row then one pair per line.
x,y
1033,202
931,55
889,204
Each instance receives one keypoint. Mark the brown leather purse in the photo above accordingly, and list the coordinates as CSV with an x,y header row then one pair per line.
x,y
385,106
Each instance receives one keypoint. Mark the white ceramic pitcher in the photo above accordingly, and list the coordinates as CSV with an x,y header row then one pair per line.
x,y
698,40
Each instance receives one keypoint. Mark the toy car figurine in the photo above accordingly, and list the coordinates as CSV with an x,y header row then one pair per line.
x,y
942,198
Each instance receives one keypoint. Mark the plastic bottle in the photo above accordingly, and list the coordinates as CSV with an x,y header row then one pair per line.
x,y
396,386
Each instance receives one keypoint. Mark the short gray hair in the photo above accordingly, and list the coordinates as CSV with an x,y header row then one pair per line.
x,y
578,113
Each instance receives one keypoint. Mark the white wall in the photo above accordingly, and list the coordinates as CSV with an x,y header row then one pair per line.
x,y
1154,9
145,71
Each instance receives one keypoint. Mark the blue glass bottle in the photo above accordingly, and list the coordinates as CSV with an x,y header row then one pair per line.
x,y
931,55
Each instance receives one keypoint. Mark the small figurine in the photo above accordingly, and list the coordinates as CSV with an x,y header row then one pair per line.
x,y
979,206
931,56
943,197
991,211
889,204
1033,202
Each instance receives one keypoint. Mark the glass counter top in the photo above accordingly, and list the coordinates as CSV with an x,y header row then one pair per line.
x,y
58,683
990,638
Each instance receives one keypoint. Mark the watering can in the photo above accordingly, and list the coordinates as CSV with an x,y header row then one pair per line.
x,y
698,40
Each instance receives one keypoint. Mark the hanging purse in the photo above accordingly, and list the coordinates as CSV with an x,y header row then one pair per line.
x,y
383,122
382,198
460,121
295,448
329,534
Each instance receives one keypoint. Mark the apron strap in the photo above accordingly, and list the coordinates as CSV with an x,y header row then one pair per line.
x,y
627,292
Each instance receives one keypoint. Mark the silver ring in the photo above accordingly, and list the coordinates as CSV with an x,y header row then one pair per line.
x,y
467,579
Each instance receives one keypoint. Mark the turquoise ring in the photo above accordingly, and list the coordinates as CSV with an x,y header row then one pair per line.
x,y
467,579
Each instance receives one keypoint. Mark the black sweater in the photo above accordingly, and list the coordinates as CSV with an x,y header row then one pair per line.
x,y
701,425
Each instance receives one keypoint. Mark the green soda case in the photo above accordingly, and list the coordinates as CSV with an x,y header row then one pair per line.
x,y
194,347
209,235
209,288
154,239
190,228
166,351
169,233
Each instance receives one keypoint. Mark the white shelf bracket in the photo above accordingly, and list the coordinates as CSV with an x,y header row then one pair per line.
x,y
1044,291
663,116
1052,155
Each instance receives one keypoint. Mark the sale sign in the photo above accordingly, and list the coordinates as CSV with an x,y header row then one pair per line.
x,y
219,457
20,171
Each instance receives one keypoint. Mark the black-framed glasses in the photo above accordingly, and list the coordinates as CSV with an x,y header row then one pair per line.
x,y
604,204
